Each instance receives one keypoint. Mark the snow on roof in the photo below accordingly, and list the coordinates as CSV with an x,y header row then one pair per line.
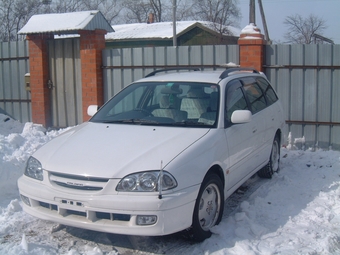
x,y
64,23
161,30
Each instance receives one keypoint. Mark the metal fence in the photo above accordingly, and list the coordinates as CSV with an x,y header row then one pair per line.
x,y
15,101
122,66
307,79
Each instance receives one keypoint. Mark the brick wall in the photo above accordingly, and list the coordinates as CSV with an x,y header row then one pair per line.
x,y
252,49
91,45
39,69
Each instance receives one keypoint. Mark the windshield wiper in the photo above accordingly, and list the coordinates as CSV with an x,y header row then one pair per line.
x,y
134,121
190,123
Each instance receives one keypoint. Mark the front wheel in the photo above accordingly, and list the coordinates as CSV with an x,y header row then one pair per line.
x,y
208,208
274,161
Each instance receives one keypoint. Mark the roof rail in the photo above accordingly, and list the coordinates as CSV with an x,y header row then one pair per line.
x,y
173,69
227,72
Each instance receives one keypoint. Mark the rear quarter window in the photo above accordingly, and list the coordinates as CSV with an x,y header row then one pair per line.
x,y
254,94
268,91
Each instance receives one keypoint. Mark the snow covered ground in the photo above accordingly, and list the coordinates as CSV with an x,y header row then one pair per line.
x,y
296,212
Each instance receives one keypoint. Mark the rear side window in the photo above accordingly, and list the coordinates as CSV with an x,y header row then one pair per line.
x,y
254,94
267,90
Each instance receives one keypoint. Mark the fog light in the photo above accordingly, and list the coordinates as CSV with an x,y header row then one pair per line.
x,y
26,200
146,219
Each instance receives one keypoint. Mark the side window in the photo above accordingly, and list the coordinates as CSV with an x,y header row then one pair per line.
x,y
254,94
235,99
268,91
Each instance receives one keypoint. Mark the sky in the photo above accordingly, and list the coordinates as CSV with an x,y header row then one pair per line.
x,y
277,10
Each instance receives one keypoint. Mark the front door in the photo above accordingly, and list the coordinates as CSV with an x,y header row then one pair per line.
x,y
65,82
241,137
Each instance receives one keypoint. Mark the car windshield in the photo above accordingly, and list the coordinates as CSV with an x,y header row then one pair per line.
x,y
163,103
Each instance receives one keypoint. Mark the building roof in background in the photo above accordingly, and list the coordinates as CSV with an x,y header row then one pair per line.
x,y
66,23
161,30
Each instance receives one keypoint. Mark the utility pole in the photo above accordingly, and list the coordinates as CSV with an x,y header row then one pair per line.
x,y
264,22
174,34
252,11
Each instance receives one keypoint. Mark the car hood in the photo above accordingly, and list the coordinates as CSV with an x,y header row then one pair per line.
x,y
115,150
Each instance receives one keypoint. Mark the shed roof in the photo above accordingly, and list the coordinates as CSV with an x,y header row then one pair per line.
x,y
66,23
161,30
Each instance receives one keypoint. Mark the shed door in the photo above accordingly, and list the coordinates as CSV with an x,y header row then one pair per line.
x,y
65,82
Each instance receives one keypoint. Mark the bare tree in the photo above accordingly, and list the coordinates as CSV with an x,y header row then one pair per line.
x,y
62,6
136,11
109,8
221,12
156,6
14,14
183,10
301,30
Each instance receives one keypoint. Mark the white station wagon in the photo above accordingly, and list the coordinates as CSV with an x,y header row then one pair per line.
x,y
159,157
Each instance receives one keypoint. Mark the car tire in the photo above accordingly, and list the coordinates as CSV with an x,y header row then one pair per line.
x,y
208,208
274,161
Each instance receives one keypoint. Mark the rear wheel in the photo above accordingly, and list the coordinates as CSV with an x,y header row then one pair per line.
x,y
208,208
274,161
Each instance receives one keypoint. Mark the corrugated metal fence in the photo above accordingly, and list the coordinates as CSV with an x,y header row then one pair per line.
x,y
307,79
14,99
122,66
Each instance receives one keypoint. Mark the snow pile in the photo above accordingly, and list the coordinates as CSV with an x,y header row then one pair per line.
x,y
251,29
296,212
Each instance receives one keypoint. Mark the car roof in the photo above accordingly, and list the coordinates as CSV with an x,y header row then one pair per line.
x,y
201,76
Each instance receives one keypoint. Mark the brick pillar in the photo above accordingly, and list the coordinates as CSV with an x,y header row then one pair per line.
x,y
91,45
251,44
39,70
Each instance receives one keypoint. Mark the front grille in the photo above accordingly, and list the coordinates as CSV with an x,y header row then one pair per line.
x,y
113,216
80,177
49,206
69,212
99,215
77,187
78,182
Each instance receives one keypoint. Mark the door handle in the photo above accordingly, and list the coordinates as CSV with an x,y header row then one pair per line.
x,y
50,84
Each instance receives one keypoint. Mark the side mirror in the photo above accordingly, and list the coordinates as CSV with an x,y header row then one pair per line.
x,y
92,109
241,116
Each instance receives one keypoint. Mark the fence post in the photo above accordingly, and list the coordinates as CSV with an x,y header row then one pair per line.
x,y
252,50
92,43
39,72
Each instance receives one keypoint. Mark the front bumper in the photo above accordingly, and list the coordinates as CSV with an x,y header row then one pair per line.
x,y
115,213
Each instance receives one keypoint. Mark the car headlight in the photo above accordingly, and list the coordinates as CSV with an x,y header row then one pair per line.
x,y
34,169
146,182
